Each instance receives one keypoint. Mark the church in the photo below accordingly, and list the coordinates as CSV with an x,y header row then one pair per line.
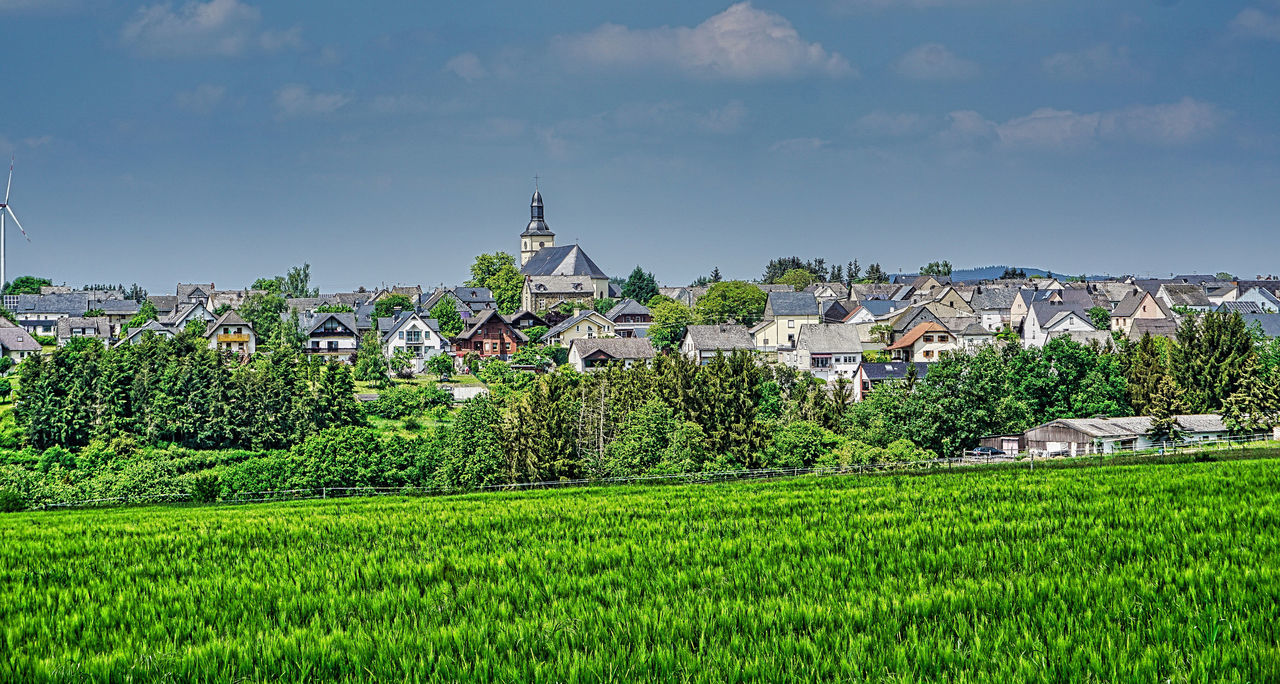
x,y
555,275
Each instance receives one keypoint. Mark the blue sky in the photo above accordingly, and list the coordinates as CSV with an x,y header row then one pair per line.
x,y
391,142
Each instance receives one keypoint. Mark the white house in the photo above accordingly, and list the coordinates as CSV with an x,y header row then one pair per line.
x,y
585,354
232,333
334,335
410,331
827,350
1046,318
701,343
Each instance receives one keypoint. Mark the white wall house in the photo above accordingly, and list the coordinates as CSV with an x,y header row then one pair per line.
x,y
827,350
420,336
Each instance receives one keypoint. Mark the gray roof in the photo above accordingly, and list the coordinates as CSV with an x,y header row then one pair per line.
x,y
1157,327
975,329
1136,425
719,337
388,325
828,338
1129,305
163,303
616,347
313,322
568,260
1270,323
577,286
1186,295
117,307
895,370
882,307
13,338
1086,337
228,318
72,304
151,326
1048,313
1240,307
989,298
473,295
185,290
791,304
629,307
102,329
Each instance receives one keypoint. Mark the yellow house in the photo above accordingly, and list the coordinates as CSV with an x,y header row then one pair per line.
x,y
1138,305
582,325
784,313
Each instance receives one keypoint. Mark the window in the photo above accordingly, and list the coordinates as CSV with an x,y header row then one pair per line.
x,y
928,353
401,335
928,338
315,344
791,323
333,345
943,338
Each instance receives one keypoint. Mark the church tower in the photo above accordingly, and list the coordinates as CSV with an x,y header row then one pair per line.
x,y
537,235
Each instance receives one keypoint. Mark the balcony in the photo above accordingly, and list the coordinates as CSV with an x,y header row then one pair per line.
x,y
233,338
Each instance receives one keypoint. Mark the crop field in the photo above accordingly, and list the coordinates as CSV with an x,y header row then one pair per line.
x,y
1108,573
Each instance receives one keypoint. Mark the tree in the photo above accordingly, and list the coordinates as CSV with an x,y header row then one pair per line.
x,y
402,363
1013,274
447,317
733,300
93,313
1147,369
1164,409
371,365
1100,318
387,305
1255,406
715,275
147,312
6,388
780,267
336,399
135,293
640,286
441,364
273,285
264,311
297,283
852,271
1210,359
797,278
333,308
1223,275
876,275
602,305
26,285
498,273
936,268
670,319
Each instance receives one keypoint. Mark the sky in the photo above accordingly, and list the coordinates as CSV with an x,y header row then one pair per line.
x,y
391,142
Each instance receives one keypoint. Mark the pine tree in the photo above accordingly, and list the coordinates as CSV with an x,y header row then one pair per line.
x,y
1146,371
1164,409
1255,405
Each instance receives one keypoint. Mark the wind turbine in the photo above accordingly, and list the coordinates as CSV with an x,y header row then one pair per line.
x,y
6,209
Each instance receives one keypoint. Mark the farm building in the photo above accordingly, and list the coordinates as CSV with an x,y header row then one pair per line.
x,y
1075,436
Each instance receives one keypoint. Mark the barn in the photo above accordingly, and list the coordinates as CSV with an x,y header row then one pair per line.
x,y
1075,436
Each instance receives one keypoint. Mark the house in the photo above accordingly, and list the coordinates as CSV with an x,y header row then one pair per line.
x,y
833,311
1155,327
923,343
39,314
827,350
490,336
1192,297
630,318
138,334
1240,308
784,313
524,320
1138,306
1267,324
585,354
16,343
409,331
701,343
583,324
1078,436
187,313
231,333
871,375
164,304
96,328
230,298
1265,299
829,291
331,335
554,273
993,305
194,293
430,301
118,312
477,299
1048,317
975,335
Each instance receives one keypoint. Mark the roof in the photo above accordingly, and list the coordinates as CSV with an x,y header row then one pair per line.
x,y
825,338
719,337
1240,307
864,291
792,304
568,260
163,303
520,315
228,318
1129,305
1134,426
987,298
975,329
1269,323
572,285
13,338
615,347
1157,327
840,290
151,326
1050,313
915,333
117,306
629,307
185,290
895,370
389,325
99,324
1186,295
471,295
1102,337
316,320
483,319
65,303
882,307
572,321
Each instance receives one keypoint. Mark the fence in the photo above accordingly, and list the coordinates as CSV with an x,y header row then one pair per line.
x,y
968,460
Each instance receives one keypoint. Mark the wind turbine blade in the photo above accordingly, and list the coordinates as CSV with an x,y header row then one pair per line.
x,y
15,220
10,183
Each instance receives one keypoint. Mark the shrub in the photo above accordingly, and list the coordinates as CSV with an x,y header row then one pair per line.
x,y
56,456
11,501
205,487
412,424
800,444
266,472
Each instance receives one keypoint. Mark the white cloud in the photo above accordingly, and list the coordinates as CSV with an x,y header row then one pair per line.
x,y
726,119
1169,124
1252,22
910,4
1096,61
297,100
879,123
934,62
798,145
466,66
219,28
201,100
741,42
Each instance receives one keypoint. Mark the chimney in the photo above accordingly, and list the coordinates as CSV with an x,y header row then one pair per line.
x,y
577,311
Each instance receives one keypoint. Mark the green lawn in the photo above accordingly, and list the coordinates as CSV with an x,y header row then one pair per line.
x,y
365,387
1089,573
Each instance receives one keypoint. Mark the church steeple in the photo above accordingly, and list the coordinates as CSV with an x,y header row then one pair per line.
x,y
537,234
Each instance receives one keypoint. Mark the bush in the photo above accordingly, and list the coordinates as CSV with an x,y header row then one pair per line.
x,y
56,456
11,501
266,472
800,444
205,487
412,424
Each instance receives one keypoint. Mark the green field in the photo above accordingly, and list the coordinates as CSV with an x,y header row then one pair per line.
x,y
1104,573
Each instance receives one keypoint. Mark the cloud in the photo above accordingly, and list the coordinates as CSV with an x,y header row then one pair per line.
x,y
798,145
726,119
934,62
218,28
1254,23
910,4
740,43
884,124
203,99
1093,62
1177,123
466,66
297,100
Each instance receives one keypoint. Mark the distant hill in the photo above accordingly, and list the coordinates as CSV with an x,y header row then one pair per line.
x,y
994,272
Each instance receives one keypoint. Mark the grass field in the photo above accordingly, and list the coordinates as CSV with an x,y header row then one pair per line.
x,y
1110,573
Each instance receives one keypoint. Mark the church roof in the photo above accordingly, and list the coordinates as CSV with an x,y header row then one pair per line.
x,y
561,261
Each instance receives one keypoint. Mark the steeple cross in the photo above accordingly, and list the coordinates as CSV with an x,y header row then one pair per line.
x,y
535,181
